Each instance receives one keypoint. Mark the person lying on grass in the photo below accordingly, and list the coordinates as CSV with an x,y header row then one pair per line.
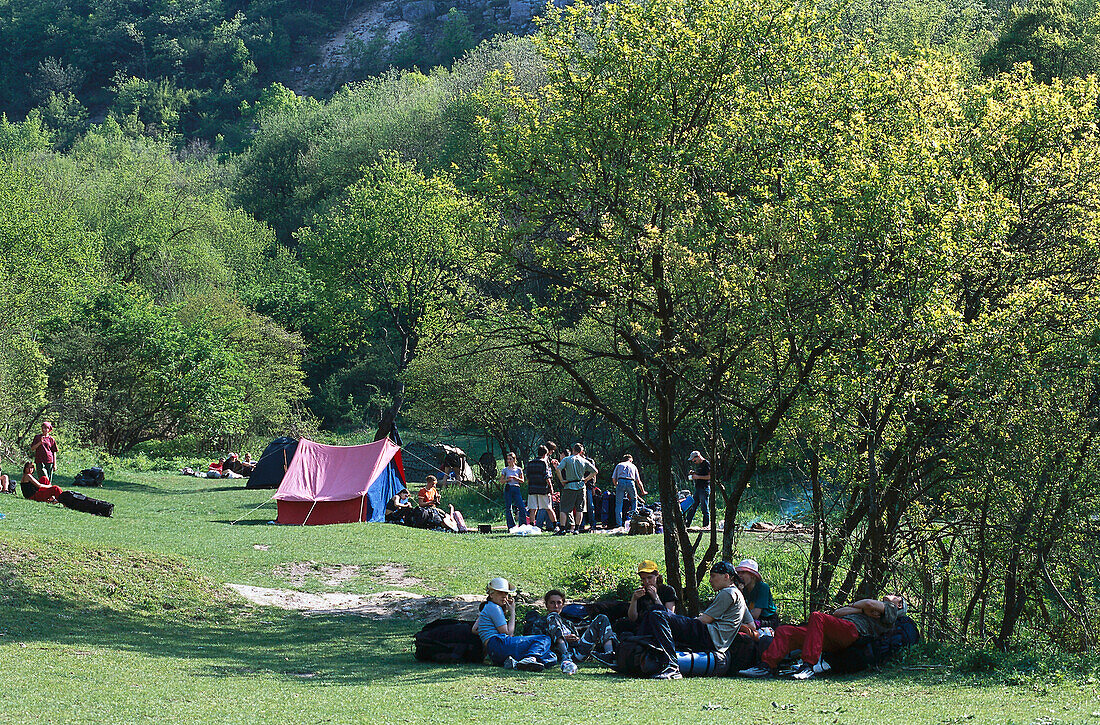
x,y
829,633
711,631
496,625
37,489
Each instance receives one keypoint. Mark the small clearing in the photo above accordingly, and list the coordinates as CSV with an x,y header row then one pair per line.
x,y
297,573
383,605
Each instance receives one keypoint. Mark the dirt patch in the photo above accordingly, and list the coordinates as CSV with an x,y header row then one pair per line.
x,y
395,575
297,573
383,605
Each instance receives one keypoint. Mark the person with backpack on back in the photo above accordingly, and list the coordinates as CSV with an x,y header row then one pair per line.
x,y
834,632
540,487
711,631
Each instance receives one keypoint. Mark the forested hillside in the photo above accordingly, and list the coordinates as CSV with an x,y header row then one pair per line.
x,y
852,245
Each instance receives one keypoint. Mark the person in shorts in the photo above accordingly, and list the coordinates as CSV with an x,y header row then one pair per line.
x,y
540,486
574,469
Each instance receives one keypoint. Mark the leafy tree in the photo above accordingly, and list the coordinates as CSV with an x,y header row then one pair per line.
x,y
1057,38
394,250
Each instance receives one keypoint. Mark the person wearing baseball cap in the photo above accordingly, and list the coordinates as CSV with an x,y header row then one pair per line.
x,y
758,595
701,477
653,593
711,631
497,630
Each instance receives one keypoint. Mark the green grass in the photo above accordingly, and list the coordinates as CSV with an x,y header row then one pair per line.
x,y
126,620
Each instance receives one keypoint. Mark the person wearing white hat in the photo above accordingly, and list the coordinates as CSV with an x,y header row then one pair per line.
x,y
758,595
497,630
701,477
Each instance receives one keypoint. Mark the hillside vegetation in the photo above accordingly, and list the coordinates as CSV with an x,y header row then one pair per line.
x,y
849,248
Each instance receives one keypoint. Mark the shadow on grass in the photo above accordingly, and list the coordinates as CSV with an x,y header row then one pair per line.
x,y
232,642
114,485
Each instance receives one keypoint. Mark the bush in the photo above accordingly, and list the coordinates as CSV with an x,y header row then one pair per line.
x,y
599,568
979,661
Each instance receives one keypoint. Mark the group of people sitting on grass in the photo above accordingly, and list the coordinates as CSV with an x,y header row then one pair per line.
x,y
231,466
743,605
429,514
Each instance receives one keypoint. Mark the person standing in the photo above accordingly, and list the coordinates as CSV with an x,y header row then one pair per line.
x,y
515,513
574,470
701,477
628,485
540,486
45,451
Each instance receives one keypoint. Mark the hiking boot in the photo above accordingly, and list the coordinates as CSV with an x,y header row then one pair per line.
x,y
510,663
530,664
604,658
568,667
758,671
561,532
672,672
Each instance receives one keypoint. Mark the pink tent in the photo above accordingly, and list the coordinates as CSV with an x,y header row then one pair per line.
x,y
339,484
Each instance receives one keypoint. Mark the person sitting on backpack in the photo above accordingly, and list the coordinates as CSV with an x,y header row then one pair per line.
x,y
829,633
496,625
37,489
711,631
758,595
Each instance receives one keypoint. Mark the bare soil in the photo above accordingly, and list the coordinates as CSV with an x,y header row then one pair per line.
x,y
383,605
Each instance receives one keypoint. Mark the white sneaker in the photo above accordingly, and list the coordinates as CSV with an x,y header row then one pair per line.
x,y
530,664
804,673
758,671
568,667
510,663
822,667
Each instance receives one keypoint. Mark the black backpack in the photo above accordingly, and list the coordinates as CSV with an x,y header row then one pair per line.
x,y
449,641
85,504
89,477
868,652
639,656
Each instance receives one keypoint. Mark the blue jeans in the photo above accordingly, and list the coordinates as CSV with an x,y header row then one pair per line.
x,y
514,499
702,503
590,514
623,491
670,630
537,646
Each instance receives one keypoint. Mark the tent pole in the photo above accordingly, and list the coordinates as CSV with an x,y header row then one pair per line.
x,y
362,505
306,519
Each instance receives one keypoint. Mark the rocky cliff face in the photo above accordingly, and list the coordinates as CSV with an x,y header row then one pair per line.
x,y
383,32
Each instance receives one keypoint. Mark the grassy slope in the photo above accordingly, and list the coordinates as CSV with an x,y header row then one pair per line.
x,y
125,621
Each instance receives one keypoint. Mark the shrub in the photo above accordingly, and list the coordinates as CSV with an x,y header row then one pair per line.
x,y
599,568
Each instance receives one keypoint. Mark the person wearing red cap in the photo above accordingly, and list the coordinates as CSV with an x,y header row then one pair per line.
x,y
758,595
38,489
45,451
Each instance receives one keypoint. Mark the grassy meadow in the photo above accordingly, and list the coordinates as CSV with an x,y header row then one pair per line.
x,y
128,620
